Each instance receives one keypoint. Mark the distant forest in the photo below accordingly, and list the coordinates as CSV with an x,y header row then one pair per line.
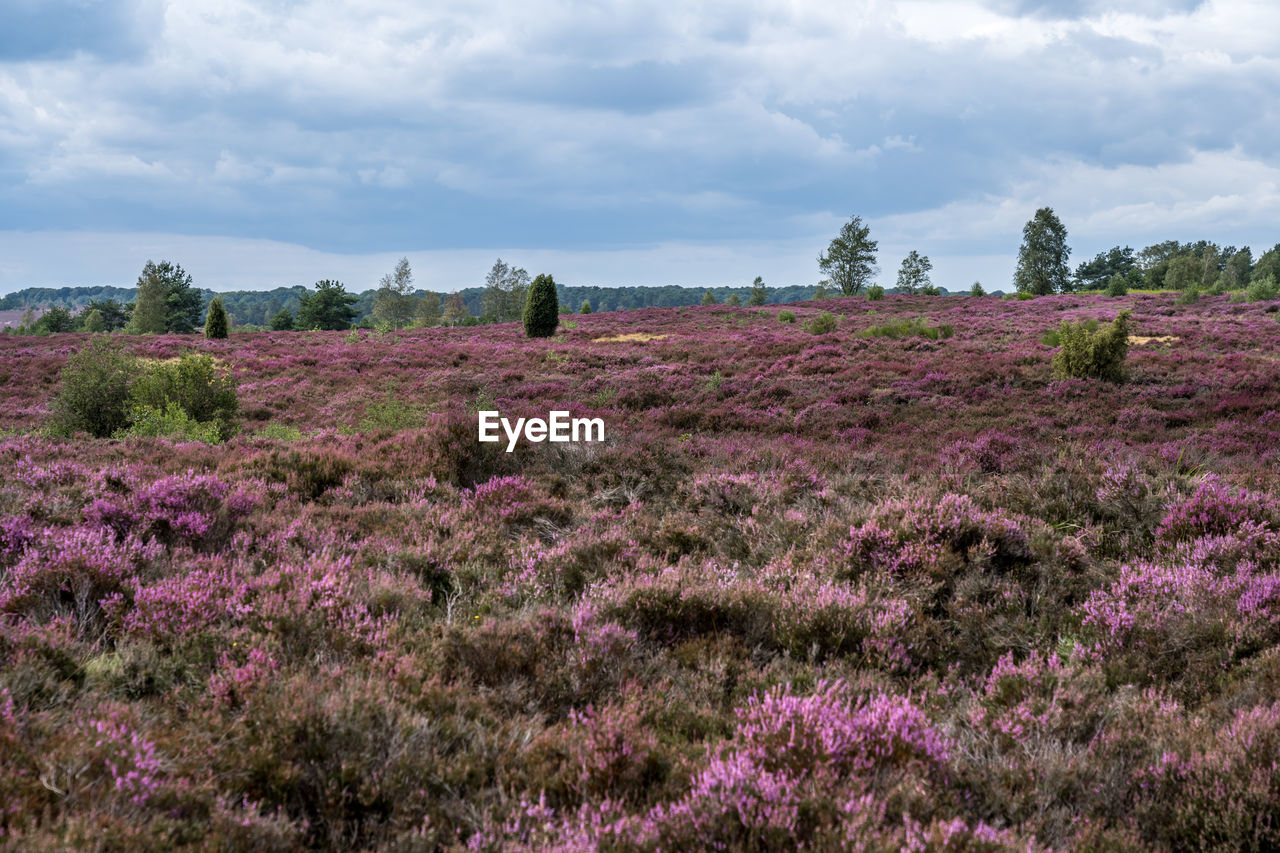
x,y
258,307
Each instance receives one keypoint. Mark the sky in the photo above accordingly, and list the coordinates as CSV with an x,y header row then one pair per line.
x,y
262,143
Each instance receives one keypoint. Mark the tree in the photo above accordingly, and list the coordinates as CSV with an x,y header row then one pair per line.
x,y
282,321
1239,266
1042,259
1268,264
114,315
56,319
505,292
393,304
428,313
184,301
708,298
542,308
215,325
151,309
92,321
850,260
585,308
1095,274
759,293
913,276
734,300
328,308
1183,272
455,310
977,289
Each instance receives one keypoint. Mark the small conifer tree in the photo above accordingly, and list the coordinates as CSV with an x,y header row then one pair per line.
x,y
542,308
586,307
215,325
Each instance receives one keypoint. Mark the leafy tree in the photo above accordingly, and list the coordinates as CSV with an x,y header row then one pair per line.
x,y
57,319
913,276
1268,264
1184,272
542,308
734,299
92,321
1117,285
977,289
428,313
850,260
1095,274
151,310
1042,259
393,304
455,311
875,293
215,325
708,298
759,293
505,293
282,321
114,314
328,308
585,308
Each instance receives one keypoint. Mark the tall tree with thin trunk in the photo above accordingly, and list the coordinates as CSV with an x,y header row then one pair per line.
x,y
1042,259
850,260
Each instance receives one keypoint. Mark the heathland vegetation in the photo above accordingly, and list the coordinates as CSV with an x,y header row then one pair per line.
x,y
911,572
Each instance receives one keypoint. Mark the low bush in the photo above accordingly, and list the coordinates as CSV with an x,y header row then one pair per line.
x,y
1087,354
1263,289
908,328
94,396
875,293
786,316
823,324
199,385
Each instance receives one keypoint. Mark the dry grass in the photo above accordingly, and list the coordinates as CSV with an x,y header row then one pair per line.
x,y
1139,340
634,337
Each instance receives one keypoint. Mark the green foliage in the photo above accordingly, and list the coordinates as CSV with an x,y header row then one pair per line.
x,y
1262,289
1116,286
915,327
734,300
542,308
1042,259
57,319
786,316
977,289
215,326
328,308
850,260
1105,266
166,301
114,314
199,385
823,324
506,289
279,432
94,395
93,321
913,275
282,321
875,293
1189,296
586,307
429,310
1089,354
390,415
394,302
170,422
708,298
759,293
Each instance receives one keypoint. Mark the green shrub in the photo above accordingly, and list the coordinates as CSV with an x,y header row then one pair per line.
x,y
823,324
875,293
279,432
1189,296
94,396
201,386
390,415
282,321
586,307
215,325
786,316
977,289
1116,286
542,308
171,422
915,327
1088,354
1263,289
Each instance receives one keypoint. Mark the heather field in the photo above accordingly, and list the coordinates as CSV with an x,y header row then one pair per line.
x,y
891,586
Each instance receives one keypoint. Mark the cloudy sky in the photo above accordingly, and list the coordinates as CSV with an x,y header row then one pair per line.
x,y
275,142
